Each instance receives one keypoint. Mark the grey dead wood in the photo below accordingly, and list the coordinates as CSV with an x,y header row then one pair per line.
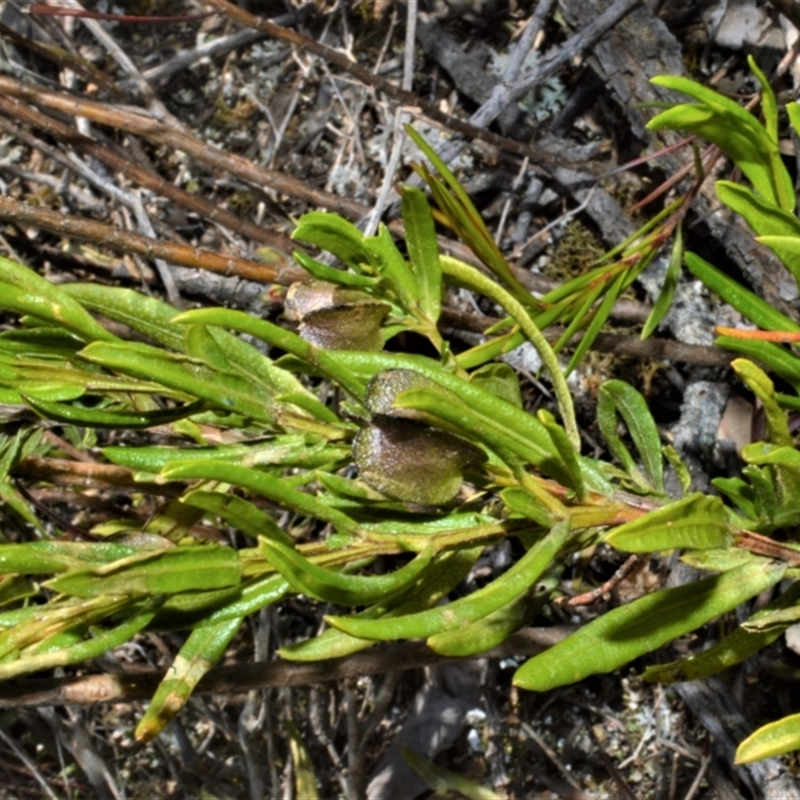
x,y
468,70
715,707
436,720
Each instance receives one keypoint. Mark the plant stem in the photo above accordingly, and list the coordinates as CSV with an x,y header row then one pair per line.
x,y
471,278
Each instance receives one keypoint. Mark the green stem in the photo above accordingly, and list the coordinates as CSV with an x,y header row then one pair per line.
x,y
477,281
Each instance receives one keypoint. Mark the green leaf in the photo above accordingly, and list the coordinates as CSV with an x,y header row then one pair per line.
x,y
336,235
336,587
784,364
770,223
466,610
632,630
276,489
227,392
340,277
734,130
423,251
443,781
464,218
697,522
103,418
750,305
769,104
617,396
569,458
499,379
25,292
493,629
732,649
40,558
179,569
201,651
146,315
740,492
761,386
793,112
71,650
236,511
446,571
667,293
773,739
390,265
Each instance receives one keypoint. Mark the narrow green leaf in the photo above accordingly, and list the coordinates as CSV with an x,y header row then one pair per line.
x,y
619,397
778,360
340,277
240,513
769,104
263,484
793,111
390,264
179,569
147,315
446,571
201,651
465,218
114,420
138,618
569,458
737,132
25,292
40,558
277,337
423,251
697,522
732,649
493,629
632,630
597,319
760,384
336,235
667,293
750,305
444,781
229,393
464,611
773,739
336,587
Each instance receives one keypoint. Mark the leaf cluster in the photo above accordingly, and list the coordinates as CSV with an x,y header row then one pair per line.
x,y
394,470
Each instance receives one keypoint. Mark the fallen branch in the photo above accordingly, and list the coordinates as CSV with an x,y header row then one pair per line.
x,y
114,688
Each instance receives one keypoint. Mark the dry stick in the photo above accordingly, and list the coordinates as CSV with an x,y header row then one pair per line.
x,y
587,598
73,164
141,175
515,62
587,37
538,155
398,135
133,121
181,254
106,688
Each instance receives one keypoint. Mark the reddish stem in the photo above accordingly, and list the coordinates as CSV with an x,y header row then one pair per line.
x,y
42,10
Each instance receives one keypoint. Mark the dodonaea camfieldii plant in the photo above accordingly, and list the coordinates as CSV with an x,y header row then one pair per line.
x,y
418,461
